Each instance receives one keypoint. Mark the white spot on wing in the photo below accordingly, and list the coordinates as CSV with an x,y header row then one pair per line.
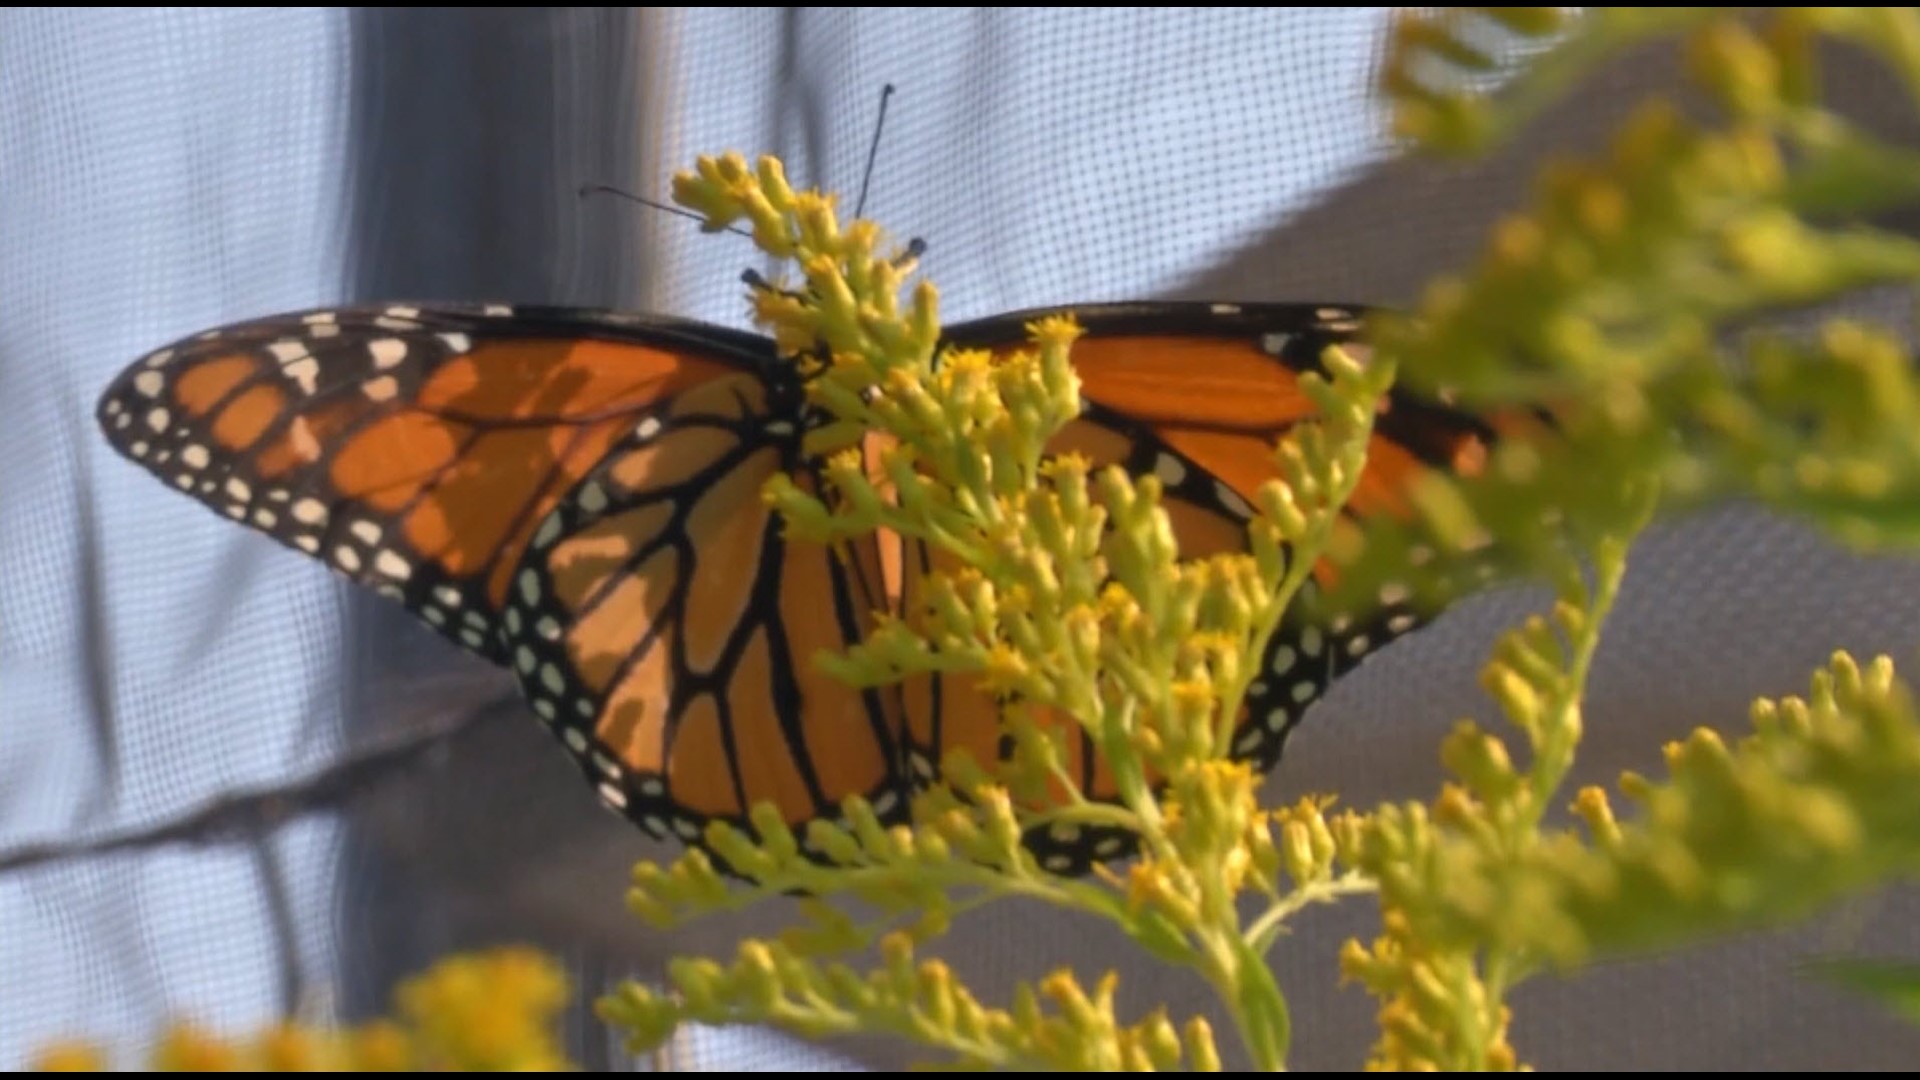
x,y
391,564
1310,641
386,352
308,544
384,388
149,384
158,419
1283,659
367,532
310,512
1225,309
497,310
648,428
347,558
1169,470
456,343
1231,499
238,489
613,796
447,595
288,351
305,373
387,322
195,456
549,532
530,586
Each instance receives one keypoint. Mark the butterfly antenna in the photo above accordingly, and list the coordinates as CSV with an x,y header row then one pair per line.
x,y
608,189
873,149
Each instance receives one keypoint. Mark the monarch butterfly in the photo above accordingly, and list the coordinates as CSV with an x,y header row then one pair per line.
x,y
576,495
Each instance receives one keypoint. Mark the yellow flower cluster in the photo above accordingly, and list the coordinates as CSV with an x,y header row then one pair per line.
x,y
491,1011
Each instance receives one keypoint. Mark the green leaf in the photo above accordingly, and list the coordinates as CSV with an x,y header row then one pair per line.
x,y
1895,984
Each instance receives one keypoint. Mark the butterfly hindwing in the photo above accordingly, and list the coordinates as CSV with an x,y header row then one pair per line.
x,y
666,628
1198,395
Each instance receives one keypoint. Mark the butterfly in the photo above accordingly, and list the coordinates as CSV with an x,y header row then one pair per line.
x,y
576,495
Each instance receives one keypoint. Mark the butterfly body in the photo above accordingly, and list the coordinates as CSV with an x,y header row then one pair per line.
x,y
576,495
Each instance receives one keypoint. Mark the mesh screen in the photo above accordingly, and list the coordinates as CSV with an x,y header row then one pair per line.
x,y
167,172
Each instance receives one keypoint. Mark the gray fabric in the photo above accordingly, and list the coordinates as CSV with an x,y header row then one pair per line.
x,y
167,172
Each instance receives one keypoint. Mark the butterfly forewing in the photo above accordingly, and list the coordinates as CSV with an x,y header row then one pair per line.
x,y
576,495
412,449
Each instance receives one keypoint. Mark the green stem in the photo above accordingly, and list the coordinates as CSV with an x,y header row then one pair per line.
x,y
1259,1008
1265,930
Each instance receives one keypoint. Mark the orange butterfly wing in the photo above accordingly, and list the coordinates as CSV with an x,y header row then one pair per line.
x,y
576,495
1198,395
573,494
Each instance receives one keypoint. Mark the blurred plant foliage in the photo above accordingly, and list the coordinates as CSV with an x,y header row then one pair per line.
x,y
482,1012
